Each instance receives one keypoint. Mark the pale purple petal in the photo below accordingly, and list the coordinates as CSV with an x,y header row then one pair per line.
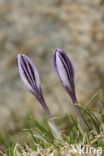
x,y
65,71
61,71
28,73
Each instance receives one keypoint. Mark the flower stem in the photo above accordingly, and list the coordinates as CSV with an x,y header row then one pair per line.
x,y
52,124
78,112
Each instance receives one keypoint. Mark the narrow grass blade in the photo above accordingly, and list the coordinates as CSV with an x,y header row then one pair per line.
x,y
92,98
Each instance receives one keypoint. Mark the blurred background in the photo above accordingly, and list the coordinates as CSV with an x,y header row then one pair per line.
x,y
36,28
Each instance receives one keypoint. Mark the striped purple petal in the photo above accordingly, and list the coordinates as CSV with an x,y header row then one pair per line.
x,y
29,74
65,71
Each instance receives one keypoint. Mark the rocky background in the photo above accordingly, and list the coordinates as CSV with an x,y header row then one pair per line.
x,y
36,28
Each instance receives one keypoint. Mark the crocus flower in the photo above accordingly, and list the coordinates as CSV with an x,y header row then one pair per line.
x,y
30,77
65,71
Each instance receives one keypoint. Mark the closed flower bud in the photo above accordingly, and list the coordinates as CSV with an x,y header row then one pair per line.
x,y
65,71
29,74
30,77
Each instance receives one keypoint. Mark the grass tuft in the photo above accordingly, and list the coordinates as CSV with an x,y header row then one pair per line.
x,y
39,141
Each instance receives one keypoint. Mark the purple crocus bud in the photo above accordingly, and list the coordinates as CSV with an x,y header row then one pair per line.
x,y
65,71
29,74
30,77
